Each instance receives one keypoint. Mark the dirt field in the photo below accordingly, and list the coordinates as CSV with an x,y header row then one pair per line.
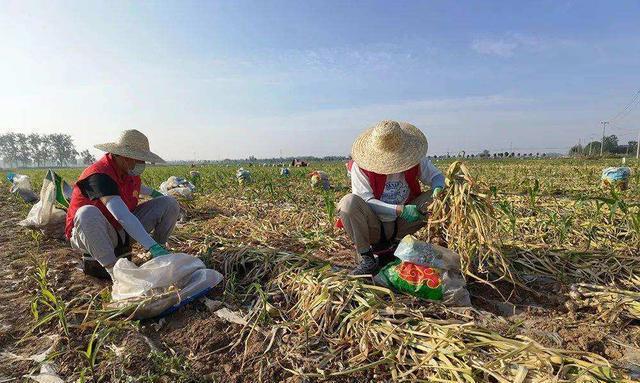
x,y
259,234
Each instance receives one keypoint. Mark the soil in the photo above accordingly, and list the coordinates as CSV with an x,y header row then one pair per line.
x,y
217,350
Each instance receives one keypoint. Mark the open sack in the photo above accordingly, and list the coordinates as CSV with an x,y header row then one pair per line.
x,y
44,215
426,271
162,285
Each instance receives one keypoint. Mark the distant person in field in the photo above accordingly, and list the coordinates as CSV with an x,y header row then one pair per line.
x,y
104,213
387,203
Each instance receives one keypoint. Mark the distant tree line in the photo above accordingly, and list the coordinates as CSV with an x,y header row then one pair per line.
x,y
282,160
611,146
19,149
486,154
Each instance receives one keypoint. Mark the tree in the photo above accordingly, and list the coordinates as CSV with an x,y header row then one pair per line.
x,y
87,158
23,151
611,144
592,148
38,146
8,148
62,148
576,150
485,153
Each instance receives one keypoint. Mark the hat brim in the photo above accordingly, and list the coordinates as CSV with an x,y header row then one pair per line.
x,y
369,157
125,151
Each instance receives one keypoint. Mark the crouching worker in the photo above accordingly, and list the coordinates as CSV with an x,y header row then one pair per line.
x,y
104,212
387,202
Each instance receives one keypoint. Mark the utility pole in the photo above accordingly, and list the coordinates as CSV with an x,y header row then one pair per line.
x,y
638,147
604,126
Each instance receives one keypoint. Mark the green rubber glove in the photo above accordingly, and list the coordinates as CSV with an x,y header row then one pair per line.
x,y
411,213
156,194
158,250
436,191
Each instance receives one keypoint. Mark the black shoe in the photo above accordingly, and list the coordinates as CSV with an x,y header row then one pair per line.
x,y
93,268
123,251
368,265
385,259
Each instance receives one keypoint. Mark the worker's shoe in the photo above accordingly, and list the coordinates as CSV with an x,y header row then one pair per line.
x,y
368,265
92,267
385,259
385,255
123,251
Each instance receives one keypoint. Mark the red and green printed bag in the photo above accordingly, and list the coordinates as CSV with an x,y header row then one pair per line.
x,y
410,278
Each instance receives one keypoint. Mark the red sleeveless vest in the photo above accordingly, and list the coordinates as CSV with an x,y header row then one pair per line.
x,y
378,181
129,187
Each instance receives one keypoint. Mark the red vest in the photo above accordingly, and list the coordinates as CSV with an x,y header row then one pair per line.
x,y
129,187
378,181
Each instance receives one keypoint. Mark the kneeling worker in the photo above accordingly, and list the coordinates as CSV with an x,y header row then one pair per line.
x,y
389,162
104,211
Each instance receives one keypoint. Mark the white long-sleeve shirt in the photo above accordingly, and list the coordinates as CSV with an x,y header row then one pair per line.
x,y
396,190
128,221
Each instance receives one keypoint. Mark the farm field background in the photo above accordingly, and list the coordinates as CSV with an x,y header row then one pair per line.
x,y
571,310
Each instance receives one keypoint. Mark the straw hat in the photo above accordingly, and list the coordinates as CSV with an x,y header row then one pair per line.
x,y
389,147
132,144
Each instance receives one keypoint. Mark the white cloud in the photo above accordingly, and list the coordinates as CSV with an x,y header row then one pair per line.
x,y
512,43
500,47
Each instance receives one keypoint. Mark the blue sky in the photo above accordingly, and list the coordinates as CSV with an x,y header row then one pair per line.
x,y
216,80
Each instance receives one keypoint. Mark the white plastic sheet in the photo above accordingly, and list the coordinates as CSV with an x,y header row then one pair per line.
x,y
455,289
410,249
160,284
21,184
243,176
178,187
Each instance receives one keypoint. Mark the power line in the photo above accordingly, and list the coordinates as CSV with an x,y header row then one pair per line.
x,y
635,100
628,108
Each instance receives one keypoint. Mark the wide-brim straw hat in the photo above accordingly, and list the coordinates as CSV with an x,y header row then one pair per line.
x,y
132,144
389,147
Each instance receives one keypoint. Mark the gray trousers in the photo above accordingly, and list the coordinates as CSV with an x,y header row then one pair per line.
x,y
364,227
93,234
